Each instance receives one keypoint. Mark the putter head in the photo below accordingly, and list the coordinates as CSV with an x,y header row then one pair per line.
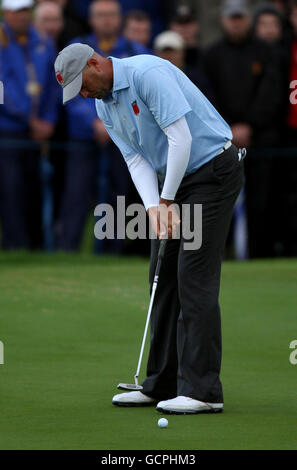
x,y
132,387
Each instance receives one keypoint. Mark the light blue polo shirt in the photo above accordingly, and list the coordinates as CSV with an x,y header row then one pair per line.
x,y
149,94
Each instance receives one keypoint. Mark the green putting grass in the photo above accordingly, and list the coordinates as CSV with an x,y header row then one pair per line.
x,y
72,327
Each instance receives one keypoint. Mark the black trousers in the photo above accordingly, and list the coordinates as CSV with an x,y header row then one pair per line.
x,y
185,338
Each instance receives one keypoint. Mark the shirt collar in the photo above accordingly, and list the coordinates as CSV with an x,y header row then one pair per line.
x,y
120,80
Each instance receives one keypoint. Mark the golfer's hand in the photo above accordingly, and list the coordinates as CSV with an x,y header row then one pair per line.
x,y
164,219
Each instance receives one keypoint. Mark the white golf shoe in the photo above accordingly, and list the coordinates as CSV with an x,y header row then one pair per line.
x,y
186,405
132,399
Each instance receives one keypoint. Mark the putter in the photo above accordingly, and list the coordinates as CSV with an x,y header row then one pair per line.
x,y
136,386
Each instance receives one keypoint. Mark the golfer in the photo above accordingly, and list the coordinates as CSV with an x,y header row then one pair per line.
x,y
178,150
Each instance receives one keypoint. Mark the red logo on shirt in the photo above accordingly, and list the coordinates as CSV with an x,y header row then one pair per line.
x,y
135,108
59,77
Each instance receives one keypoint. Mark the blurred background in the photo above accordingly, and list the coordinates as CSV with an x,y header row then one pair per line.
x,y
57,162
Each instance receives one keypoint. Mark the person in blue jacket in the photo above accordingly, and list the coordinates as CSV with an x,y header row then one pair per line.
x,y
158,11
94,164
29,112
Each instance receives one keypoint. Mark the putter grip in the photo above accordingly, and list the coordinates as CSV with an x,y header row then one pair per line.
x,y
162,248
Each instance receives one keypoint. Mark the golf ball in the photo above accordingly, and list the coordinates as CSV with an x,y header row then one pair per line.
x,y
162,423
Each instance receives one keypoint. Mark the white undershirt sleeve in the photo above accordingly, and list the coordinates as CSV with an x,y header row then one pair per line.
x,y
145,179
179,142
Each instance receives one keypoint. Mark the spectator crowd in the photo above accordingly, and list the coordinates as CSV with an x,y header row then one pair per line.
x,y
57,162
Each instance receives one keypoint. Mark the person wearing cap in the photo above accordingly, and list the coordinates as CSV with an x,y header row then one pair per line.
x,y
284,8
247,82
85,129
237,65
185,23
29,112
290,134
268,24
288,187
169,134
170,45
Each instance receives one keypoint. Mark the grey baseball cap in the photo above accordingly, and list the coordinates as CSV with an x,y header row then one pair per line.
x,y
235,7
69,66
